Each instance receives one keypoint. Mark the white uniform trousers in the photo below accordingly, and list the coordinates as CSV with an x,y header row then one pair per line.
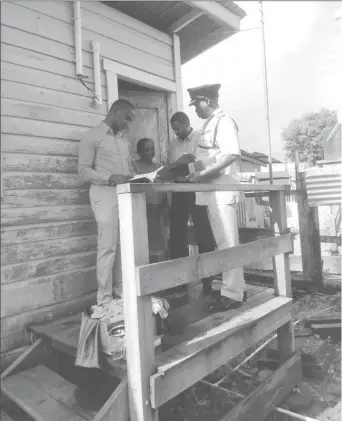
x,y
104,204
224,225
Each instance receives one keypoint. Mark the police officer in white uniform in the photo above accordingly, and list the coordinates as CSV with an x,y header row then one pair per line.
x,y
220,140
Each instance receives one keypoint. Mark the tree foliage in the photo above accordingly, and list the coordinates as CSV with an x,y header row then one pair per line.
x,y
305,137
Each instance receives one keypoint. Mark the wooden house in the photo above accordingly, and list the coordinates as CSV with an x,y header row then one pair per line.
x,y
62,65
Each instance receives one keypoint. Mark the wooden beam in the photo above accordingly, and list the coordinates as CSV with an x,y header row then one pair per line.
x,y
184,21
183,365
139,322
310,243
136,75
194,187
219,13
282,275
116,407
262,401
112,88
20,359
177,72
190,269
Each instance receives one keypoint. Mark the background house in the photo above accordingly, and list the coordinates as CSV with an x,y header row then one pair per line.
x,y
48,236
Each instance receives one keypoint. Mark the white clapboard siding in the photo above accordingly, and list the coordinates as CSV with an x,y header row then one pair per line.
x,y
118,42
43,232
45,267
21,180
38,145
27,127
35,163
44,96
18,253
35,77
48,231
45,197
42,112
41,61
40,214
28,295
13,333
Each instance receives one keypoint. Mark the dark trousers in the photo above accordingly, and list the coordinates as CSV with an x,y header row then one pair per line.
x,y
182,206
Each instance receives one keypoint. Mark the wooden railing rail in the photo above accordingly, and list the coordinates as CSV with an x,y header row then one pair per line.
x,y
141,278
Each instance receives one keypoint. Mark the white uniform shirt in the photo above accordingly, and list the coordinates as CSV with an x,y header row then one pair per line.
x,y
226,142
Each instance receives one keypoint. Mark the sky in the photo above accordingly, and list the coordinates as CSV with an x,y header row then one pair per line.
x,y
303,51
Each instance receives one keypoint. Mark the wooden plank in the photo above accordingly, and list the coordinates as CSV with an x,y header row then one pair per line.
x,y
185,364
43,395
46,267
217,12
184,21
336,239
12,254
44,232
177,71
189,269
139,76
138,311
193,187
27,127
31,294
116,406
34,111
45,197
23,180
21,358
16,73
282,275
42,61
108,34
310,244
13,328
124,19
198,319
39,95
4,416
38,145
39,163
41,214
262,401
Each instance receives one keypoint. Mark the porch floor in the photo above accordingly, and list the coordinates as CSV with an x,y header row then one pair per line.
x,y
186,321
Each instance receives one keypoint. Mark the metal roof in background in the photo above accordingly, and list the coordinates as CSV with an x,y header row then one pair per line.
x,y
195,38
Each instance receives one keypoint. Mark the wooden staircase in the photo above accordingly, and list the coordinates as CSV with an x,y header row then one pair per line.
x,y
45,395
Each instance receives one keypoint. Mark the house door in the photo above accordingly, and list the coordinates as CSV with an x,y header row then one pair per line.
x,y
151,120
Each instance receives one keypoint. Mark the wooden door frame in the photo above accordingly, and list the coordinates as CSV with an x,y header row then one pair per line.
x,y
113,70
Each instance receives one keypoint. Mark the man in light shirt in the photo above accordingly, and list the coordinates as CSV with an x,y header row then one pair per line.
x,y
220,141
183,204
104,161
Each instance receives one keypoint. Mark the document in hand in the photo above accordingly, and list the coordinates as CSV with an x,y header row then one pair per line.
x,y
146,178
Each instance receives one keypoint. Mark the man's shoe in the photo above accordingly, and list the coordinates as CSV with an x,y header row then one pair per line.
x,y
226,304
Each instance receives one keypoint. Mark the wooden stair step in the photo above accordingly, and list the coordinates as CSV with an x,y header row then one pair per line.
x,y
45,395
4,416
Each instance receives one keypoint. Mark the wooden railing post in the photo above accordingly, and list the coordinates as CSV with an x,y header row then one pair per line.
x,y
310,242
282,275
139,323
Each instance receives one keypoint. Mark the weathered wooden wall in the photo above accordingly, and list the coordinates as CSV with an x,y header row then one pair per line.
x,y
48,234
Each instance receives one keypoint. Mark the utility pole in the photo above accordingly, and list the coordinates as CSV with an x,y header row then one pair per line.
x,y
267,112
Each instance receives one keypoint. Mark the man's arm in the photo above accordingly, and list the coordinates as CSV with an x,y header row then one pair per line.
x,y
227,140
86,158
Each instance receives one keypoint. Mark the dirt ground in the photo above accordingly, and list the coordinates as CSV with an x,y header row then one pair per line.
x,y
202,403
